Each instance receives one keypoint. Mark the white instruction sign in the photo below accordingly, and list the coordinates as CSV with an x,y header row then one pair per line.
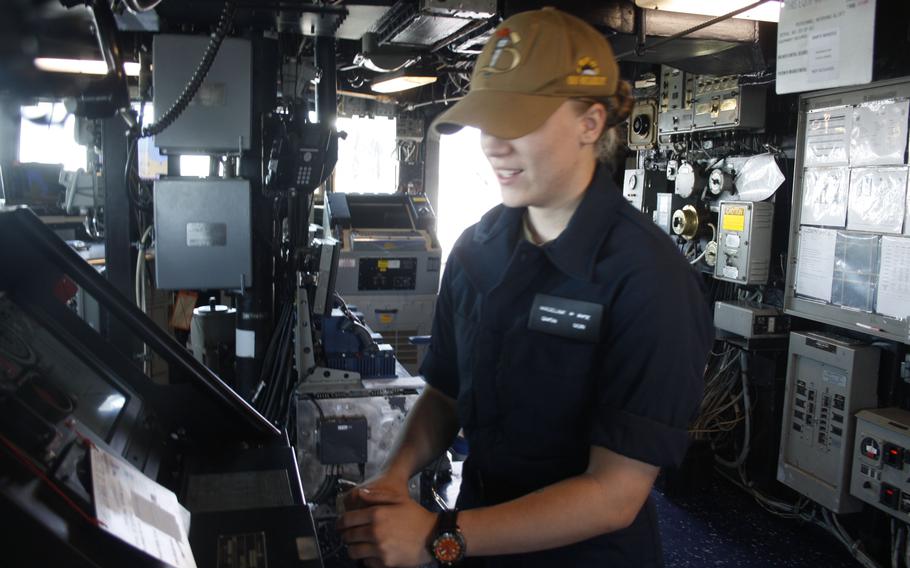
x,y
140,512
894,278
815,263
824,43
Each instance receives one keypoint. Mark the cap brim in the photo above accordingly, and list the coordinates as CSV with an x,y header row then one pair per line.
x,y
502,114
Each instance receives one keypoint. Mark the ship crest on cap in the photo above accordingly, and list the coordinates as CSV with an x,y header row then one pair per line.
x,y
587,74
506,40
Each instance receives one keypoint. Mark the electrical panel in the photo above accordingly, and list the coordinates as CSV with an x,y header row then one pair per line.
x,y
387,274
829,378
203,234
690,102
675,101
881,460
641,188
218,119
744,242
720,102
643,125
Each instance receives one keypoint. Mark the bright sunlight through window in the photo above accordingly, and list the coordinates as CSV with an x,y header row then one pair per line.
x,y
46,137
366,158
467,186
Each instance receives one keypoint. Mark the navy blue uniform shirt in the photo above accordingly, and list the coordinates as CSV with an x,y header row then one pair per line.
x,y
533,401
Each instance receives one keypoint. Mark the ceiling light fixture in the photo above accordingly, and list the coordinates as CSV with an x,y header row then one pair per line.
x,y
81,66
767,12
402,80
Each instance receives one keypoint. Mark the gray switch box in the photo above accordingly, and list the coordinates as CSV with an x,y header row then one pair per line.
x,y
744,242
829,378
217,120
202,230
749,320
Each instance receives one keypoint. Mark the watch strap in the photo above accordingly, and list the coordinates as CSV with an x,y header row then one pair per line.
x,y
448,521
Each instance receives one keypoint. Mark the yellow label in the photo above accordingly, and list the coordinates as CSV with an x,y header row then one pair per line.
x,y
419,199
734,219
586,81
388,246
383,265
386,318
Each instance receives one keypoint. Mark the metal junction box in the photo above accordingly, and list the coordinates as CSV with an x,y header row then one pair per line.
x,y
829,378
202,230
690,102
675,105
217,120
364,422
749,320
720,102
881,460
744,242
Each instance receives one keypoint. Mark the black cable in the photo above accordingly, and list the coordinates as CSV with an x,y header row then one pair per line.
x,y
317,405
280,369
205,64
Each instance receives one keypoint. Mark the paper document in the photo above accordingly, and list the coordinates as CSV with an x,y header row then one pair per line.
x,y
878,134
894,278
825,197
140,512
815,262
828,136
877,199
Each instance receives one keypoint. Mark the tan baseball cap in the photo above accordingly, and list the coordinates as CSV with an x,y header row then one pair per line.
x,y
532,64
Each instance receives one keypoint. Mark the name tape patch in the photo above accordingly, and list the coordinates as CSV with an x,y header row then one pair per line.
x,y
563,317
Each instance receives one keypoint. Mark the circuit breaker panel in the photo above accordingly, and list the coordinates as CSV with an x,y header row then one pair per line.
x,y
829,378
881,460
690,102
744,242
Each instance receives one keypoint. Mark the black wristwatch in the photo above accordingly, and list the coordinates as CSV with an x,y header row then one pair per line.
x,y
447,546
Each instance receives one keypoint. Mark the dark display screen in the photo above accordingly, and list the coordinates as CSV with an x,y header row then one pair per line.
x,y
379,214
45,376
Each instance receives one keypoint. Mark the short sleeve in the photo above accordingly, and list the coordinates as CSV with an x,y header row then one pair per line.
x,y
650,381
439,367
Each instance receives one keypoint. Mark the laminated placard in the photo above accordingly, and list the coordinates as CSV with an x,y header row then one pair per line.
x,y
877,199
824,199
894,278
856,266
878,133
815,262
828,136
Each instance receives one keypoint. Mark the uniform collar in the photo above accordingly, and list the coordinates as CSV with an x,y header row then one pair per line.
x,y
574,251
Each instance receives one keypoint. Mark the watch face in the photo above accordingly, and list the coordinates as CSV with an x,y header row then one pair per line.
x,y
447,548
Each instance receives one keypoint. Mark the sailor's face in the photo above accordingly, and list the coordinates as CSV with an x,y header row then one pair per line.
x,y
535,169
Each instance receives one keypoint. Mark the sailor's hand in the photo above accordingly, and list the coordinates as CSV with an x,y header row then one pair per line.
x,y
385,484
388,529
